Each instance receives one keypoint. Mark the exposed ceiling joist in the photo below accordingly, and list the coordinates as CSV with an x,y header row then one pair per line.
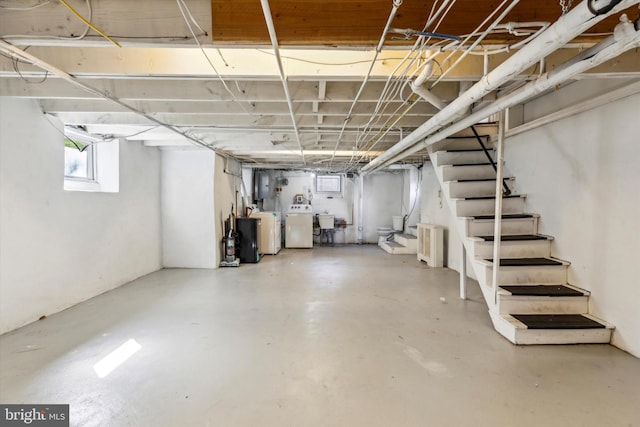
x,y
149,23
243,110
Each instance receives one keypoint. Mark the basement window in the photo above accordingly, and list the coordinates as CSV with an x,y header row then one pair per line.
x,y
91,163
79,160
329,184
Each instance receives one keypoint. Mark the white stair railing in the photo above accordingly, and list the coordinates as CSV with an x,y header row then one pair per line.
x,y
497,231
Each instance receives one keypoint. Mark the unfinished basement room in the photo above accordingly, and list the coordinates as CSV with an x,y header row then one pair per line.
x,y
320,213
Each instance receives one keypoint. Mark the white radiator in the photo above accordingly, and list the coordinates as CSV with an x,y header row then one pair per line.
x,y
431,244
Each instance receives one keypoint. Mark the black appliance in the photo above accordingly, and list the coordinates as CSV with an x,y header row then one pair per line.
x,y
248,229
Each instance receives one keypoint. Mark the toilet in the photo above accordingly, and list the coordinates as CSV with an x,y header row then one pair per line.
x,y
384,233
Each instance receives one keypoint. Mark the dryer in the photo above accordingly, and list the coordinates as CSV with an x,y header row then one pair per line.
x,y
269,240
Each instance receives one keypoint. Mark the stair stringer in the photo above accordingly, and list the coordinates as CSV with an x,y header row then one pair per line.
x,y
505,324
478,269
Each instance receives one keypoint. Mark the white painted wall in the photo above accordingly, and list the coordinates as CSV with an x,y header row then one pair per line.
x,y
582,175
412,195
383,198
188,217
59,248
197,195
247,181
571,94
300,182
434,210
386,194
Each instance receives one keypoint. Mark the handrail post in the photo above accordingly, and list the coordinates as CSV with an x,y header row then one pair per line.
x,y
463,271
507,190
497,229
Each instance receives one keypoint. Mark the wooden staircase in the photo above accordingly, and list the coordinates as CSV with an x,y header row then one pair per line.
x,y
534,303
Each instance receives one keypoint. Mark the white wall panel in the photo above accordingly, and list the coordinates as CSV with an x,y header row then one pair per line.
x,y
188,228
59,248
582,175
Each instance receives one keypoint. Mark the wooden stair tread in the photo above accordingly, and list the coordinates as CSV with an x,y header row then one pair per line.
x,y
515,237
510,196
470,164
505,216
527,262
557,321
542,290
481,179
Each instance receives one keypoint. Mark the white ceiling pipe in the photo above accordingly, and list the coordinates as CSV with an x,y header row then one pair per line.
x,y
416,87
428,96
477,41
512,27
543,83
396,5
568,26
432,99
276,50
425,73
15,52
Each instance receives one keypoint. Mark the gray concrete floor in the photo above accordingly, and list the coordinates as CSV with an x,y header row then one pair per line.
x,y
344,336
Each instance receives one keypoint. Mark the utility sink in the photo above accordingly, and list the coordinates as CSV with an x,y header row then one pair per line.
x,y
326,221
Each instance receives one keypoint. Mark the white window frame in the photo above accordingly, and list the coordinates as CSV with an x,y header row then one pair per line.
x,y
91,164
104,164
320,187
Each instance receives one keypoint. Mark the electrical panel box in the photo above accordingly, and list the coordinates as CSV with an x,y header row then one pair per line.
x,y
261,185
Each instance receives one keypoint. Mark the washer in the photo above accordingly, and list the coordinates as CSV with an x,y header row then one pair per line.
x,y
299,227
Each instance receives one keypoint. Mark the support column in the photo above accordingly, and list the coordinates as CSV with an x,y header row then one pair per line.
x,y
361,211
463,271
497,230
